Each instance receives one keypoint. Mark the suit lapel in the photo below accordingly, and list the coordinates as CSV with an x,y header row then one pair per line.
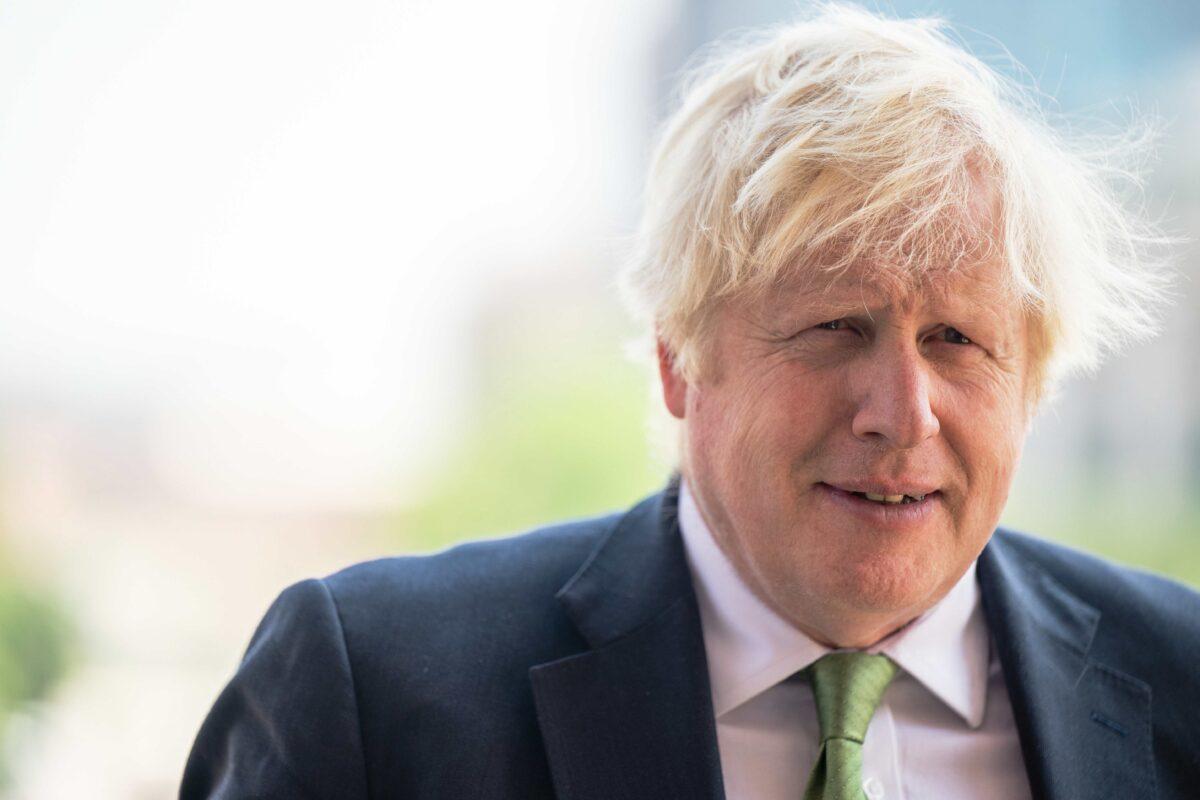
x,y
632,717
1084,726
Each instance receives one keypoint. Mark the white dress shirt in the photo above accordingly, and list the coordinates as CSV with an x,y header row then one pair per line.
x,y
944,728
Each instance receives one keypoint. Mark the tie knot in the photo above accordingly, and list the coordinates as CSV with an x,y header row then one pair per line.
x,y
848,687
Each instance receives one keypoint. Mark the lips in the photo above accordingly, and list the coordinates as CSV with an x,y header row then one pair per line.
x,y
885,489
915,503
891,499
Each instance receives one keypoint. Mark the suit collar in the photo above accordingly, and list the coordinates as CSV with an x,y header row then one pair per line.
x,y
632,717
1084,725
634,575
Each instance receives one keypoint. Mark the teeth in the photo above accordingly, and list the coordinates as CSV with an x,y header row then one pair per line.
x,y
893,498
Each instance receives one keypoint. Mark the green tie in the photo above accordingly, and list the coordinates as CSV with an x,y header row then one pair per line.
x,y
848,688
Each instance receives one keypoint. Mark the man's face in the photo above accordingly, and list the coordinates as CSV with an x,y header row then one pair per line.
x,y
820,394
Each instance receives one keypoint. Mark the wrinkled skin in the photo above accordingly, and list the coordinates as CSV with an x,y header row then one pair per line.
x,y
856,384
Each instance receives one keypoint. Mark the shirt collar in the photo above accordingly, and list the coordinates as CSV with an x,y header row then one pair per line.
x,y
750,648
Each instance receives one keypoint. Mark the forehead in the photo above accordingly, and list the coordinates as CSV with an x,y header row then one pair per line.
x,y
983,284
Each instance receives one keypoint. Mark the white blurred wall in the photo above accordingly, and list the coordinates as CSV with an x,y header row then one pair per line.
x,y
241,246
258,227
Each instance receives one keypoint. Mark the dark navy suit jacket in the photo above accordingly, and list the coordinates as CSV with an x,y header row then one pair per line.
x,y
569,663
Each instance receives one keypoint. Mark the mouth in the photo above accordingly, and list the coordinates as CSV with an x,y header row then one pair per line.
x,y
889,492
891,499
890,504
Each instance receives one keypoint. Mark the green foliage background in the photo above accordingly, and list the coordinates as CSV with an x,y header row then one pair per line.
x,y
556,430
35,643
34,633
1133,525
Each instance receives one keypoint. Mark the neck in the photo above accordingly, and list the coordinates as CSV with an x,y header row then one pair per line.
x,y
850,634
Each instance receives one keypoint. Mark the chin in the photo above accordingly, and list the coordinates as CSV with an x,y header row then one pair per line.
x,y
886,584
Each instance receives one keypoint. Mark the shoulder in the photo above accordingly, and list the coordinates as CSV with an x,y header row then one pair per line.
x,y
515,570
1133,603
1121,586
396,662
479,611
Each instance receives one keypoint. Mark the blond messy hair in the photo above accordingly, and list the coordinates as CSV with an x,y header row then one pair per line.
x,y
849,138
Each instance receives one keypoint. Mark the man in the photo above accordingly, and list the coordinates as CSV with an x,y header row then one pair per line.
x,y
864,268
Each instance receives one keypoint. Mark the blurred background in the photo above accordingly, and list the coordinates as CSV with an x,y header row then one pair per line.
x,y
288,285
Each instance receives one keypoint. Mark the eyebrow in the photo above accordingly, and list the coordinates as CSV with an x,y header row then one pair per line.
x,y
830,303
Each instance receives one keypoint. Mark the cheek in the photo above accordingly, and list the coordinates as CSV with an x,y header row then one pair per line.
x,y
724,432
991,438
1007,467
768,424
749,434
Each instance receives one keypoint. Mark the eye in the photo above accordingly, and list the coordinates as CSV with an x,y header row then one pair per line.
x,y
833,325
954,336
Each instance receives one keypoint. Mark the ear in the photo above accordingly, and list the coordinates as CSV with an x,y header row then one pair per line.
x,y
674,386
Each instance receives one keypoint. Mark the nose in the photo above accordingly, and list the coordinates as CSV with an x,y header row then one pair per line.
x,y
892,391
